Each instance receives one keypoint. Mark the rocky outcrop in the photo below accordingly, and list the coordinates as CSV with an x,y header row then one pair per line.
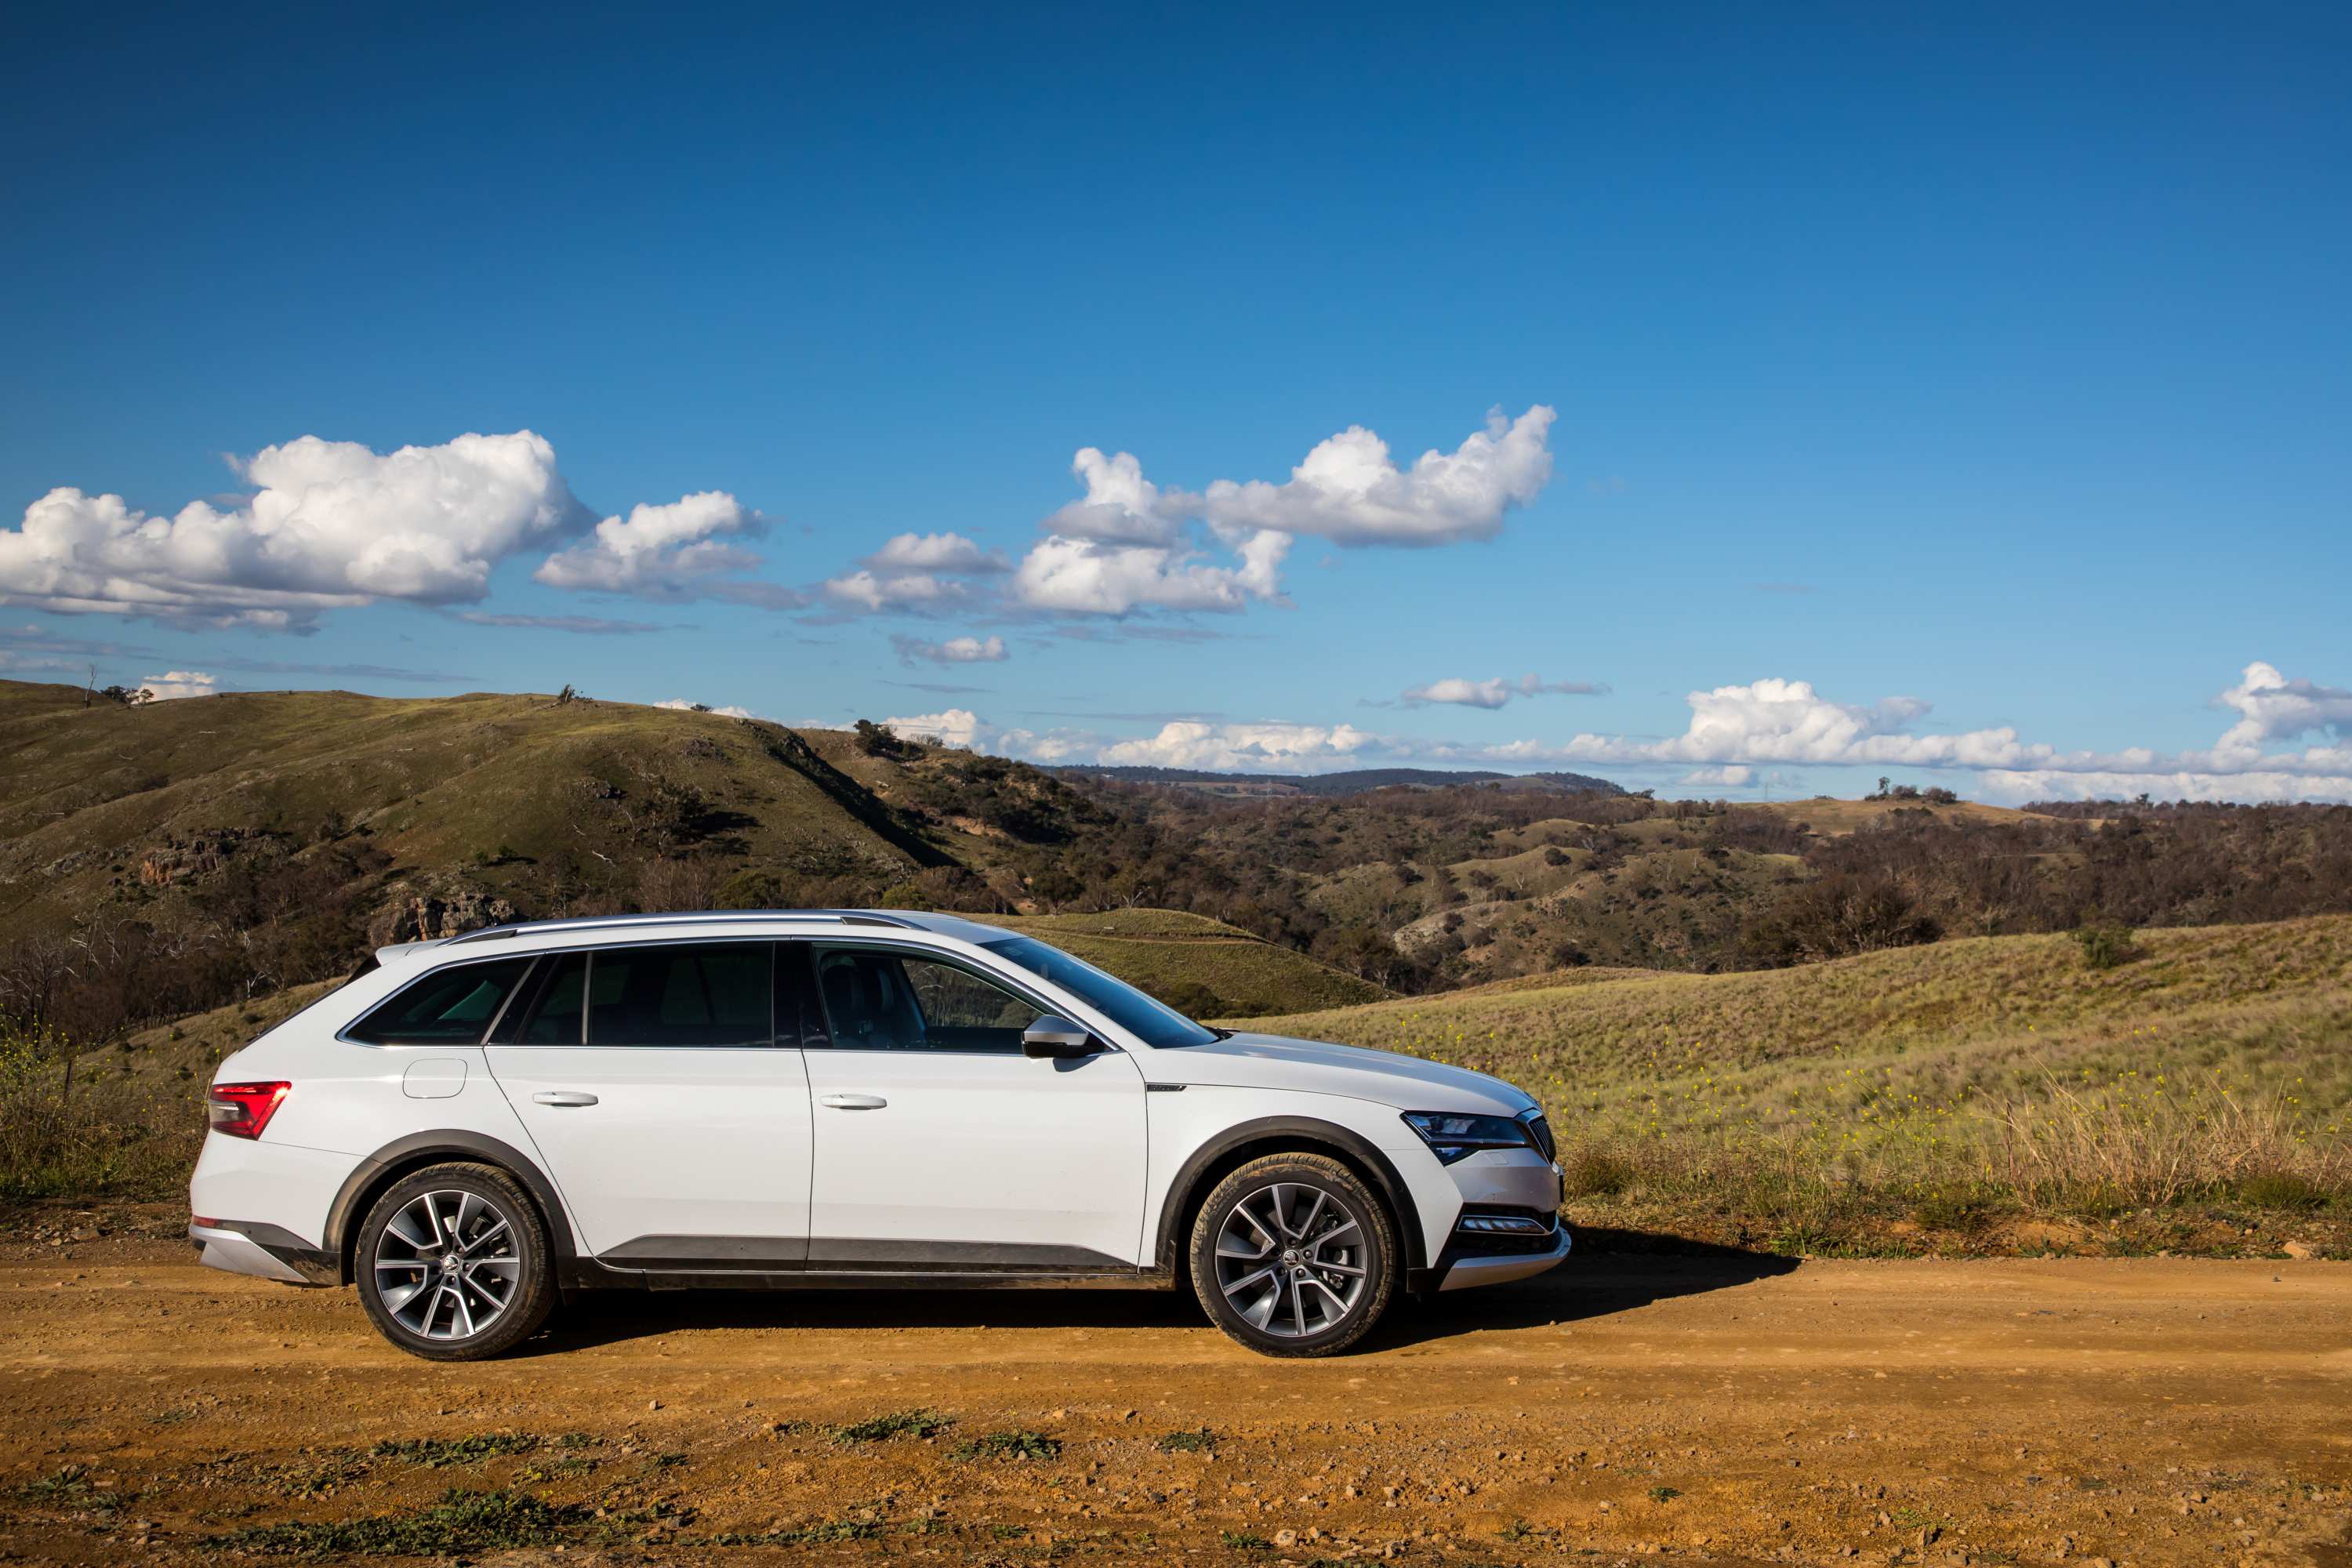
x,y
430,909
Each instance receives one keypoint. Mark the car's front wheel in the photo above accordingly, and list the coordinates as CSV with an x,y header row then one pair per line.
x,y
453,1263
1294,1256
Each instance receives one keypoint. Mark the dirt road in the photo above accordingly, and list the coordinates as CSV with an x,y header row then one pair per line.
x,y
1740,1408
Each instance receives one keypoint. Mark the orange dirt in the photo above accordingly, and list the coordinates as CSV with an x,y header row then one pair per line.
x,y
1726,1408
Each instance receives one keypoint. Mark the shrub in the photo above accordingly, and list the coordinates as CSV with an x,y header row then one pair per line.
x,y
1590,1173
2106,943
67,1130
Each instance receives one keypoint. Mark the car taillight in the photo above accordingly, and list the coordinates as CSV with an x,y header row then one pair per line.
x,y
243,1110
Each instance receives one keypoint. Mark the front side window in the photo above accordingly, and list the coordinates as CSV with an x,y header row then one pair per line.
x,y
1153,1023
451,1006
674,994
884,1001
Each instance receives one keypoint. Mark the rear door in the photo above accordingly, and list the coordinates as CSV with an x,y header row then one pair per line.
x,y
675,1125
939,1146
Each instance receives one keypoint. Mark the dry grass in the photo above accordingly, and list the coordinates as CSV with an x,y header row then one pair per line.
x,y
1949,1087
67,1129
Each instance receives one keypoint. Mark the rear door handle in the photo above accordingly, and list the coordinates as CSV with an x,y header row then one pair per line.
x,y
854,1102
562,1097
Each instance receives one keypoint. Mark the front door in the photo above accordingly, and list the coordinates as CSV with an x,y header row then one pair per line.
x,y
939,1146
672,1120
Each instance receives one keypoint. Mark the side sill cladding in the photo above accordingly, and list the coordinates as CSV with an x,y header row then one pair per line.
x,y
1293,1129
344,1214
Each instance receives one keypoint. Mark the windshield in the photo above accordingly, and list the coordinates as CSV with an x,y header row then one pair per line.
x,y
1153,1023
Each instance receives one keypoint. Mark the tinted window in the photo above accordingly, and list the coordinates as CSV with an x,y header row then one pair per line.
x,y
556,1020
682,995
450,1007
1152,1022
878,1001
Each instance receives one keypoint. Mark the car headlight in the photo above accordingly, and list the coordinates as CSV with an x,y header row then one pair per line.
x,y
1451,1137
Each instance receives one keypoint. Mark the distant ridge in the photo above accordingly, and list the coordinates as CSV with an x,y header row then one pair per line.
x,y
1353,782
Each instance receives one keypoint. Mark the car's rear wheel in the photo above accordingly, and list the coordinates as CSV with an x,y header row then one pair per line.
x,y
1294,1256
453,1263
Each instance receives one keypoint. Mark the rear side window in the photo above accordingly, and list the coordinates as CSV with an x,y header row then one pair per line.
x,y
675,993
450,1007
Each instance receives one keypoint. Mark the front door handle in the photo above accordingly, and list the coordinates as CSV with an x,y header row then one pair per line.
x,y
562,1097
854,1102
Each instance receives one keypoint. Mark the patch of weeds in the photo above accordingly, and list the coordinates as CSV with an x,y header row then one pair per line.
x,y
1021,1445
1008,1532
920,1422
1520,1529
461,1523
557,1469
668,1461
2280,1190
1664,1494
614,1525
1952,1209
571,1458
1240,1541
329,1475
1908,1517
442,1453
71,1488
828,1532
2090,1483
1590,1172
1201,1441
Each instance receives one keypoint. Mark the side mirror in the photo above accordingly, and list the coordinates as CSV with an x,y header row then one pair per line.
x,y
1049,1037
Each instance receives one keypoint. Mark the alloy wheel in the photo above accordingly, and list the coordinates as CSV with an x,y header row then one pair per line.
x,y
1292,1260
447,1265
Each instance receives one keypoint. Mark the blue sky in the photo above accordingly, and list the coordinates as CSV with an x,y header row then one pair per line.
x,y
1991,359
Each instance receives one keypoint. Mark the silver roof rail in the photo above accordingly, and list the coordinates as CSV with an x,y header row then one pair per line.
x,y
699,917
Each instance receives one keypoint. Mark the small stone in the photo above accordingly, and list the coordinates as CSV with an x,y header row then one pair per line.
x,y
652,1405
2299,1250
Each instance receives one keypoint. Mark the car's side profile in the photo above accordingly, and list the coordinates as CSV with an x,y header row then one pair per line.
x,y
475,1127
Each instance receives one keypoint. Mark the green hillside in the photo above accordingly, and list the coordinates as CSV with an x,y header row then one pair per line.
x,y
1196,964
1935,1088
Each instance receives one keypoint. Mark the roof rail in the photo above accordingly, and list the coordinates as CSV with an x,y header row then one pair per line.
x,y
698,917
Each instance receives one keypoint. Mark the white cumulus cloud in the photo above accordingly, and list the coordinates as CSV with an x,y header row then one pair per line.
x,y
888,591
680,550
1494,692
688,704
329,524
1231,747
1088,577
175,683
954,727
1350,491
954,650
949,553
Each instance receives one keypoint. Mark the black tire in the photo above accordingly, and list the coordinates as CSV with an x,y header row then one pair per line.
x,y
1335,1262
438,1318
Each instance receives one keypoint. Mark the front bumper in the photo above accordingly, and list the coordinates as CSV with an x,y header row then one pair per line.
x,y
1464,1273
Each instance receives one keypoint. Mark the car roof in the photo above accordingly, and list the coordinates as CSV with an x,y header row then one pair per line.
x,y
901,920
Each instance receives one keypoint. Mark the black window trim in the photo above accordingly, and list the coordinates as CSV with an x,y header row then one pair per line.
x,y
815,992
545,976
525,982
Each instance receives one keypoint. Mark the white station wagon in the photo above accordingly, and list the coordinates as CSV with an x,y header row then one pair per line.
x,y
476,1126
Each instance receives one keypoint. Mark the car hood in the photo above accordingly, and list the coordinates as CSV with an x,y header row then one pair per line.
x,y
1318,1067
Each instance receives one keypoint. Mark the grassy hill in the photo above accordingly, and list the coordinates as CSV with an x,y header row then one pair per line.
x,y
1196,964
1952,1092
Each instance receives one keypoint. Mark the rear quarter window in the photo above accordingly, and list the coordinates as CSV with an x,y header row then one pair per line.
x,y
451,1006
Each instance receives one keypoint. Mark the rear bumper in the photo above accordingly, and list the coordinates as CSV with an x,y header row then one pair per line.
x,y
264,1251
